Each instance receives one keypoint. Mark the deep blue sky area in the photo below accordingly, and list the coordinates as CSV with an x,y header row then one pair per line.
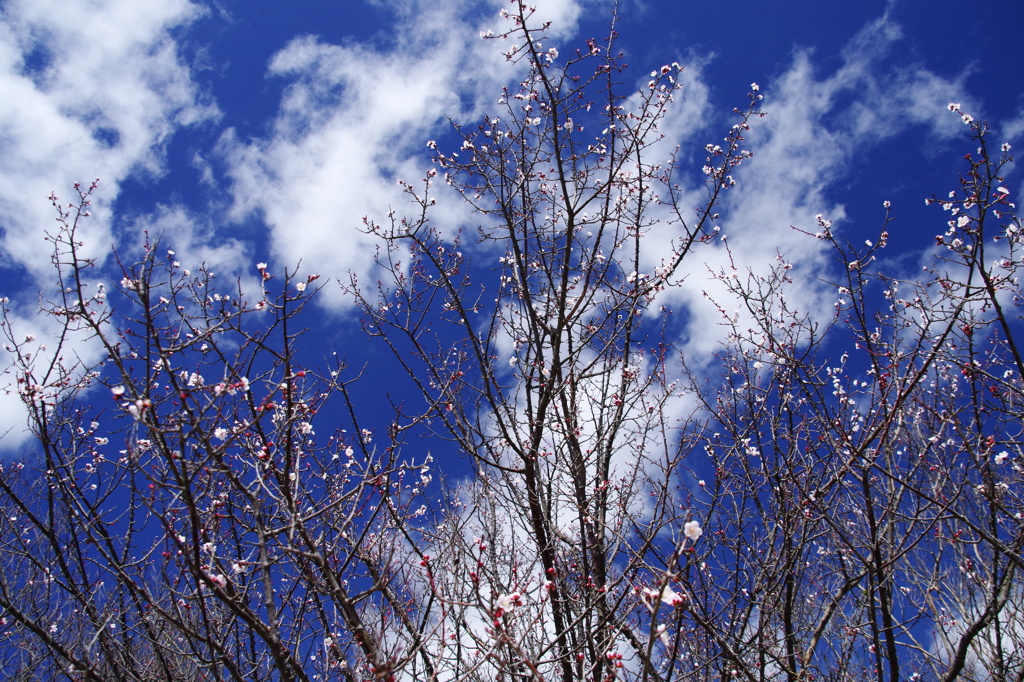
x,y
264,131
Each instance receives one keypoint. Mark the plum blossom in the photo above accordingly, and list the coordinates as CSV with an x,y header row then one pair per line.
x,y
138,408
662,632
671,597
507,602
955,107
692,530
1001,457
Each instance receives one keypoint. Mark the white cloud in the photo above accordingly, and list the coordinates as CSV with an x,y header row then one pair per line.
x,y
562,15
90,89
815,125
353,121
102,90
194,242
1012,131
43,359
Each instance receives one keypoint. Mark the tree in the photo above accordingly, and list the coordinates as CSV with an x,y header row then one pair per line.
x,y
886,482
215,542
627,517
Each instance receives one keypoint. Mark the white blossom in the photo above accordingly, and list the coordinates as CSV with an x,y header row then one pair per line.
x,y
507,602
692,530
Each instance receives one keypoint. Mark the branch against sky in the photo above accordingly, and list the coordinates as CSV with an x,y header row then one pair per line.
x,y
346,120
545,372
616,419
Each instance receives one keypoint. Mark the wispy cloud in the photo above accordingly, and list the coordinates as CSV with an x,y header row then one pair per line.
x,y
816,124
355,119
91,89
101,91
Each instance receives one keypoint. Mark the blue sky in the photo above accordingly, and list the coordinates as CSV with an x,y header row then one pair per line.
x,y
265,131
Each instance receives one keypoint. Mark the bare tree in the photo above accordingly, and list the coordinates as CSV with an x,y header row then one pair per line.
x,y
209,531
869,503
552,372
842,500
